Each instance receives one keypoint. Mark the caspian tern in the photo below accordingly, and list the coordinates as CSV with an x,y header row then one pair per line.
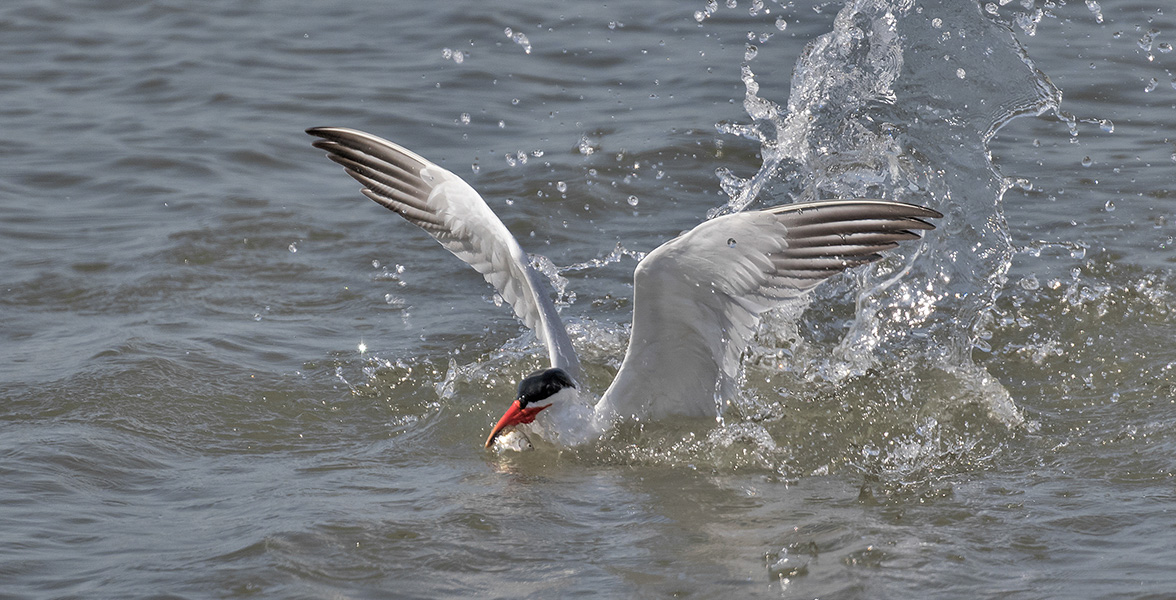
x,y
697,298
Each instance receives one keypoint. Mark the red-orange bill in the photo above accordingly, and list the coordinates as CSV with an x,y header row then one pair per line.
x,y
515,415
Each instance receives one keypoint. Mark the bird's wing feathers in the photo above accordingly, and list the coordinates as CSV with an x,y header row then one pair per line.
x,y
698,297
453,213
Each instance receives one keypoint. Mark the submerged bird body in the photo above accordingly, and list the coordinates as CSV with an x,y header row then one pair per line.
x,y
697,298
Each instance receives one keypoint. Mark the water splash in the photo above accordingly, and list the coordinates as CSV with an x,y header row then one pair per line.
x,y
878,109
617,253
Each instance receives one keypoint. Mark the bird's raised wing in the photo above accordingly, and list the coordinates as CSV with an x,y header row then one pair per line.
x,y
448,209
698,297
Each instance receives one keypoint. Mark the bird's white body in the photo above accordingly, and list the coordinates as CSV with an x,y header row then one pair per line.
x,y
697,298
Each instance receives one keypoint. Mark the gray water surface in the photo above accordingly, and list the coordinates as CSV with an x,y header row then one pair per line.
x,y
224,373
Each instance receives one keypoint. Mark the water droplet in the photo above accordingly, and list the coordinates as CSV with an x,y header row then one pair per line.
x,y
1149,38
633,200
1151,84
502,124
751,52
1109,206
561,186
937,23
1087,161
781,24
961,73
465,118
731,242
1095,9
293,247
1107,125
362,347
1030,283
520,39
699,16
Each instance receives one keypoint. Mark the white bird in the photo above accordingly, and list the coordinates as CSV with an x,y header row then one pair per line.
x,y
697,298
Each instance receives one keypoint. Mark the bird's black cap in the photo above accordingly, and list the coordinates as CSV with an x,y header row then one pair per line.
x,y
541,385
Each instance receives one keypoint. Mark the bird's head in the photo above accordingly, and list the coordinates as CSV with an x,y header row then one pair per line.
x,y
535,390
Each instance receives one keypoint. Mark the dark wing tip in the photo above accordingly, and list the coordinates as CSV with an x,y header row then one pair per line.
x,y
916,223
917,212
321,131
337,133
324,144
931,212
807,213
